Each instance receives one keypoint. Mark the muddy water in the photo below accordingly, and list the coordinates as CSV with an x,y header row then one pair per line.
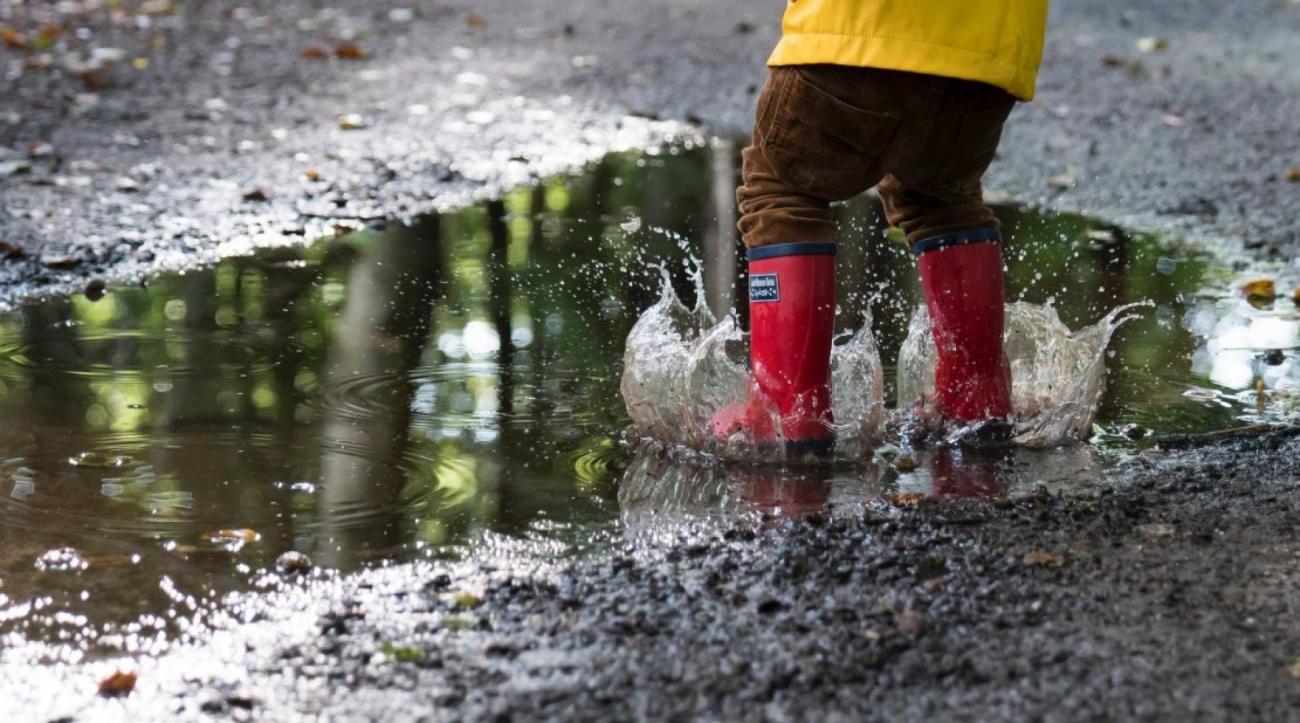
x,y
414,390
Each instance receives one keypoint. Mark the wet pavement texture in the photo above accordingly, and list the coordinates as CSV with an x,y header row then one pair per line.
x,y
447,388
156,136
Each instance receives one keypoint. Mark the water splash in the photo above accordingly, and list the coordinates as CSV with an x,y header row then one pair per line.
x,y
1057,375
682,365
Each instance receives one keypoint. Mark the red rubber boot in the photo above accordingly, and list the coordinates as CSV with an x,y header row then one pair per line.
x,y
791,319
961,274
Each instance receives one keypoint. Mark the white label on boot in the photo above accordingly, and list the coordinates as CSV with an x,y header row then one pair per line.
x,y
764,287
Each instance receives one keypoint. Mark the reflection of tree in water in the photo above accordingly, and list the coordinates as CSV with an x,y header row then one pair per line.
x,y
380,337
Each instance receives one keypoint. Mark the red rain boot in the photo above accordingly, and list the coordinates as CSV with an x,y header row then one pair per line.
x,y
791,319
961,274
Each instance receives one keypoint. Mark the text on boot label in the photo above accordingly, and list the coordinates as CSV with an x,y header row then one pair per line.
x,y
764,287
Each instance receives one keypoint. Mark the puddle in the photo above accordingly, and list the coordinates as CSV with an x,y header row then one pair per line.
x,y
413,391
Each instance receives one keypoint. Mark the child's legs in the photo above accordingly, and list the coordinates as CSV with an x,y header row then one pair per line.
x,y
934,182
813,143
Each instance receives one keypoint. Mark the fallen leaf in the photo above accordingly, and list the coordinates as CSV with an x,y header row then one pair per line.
x,y
311,174
1156,530
1042,558
257,195
94,81
13,39
9,251
1292,174
38,62
1151,44
474,20
401,653
1260,289
466,600
1295,295
313,52
233,540
904,499
120,683
46,36
350,51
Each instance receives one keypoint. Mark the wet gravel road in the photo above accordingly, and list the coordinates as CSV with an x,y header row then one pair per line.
x,y
206,133
1169,595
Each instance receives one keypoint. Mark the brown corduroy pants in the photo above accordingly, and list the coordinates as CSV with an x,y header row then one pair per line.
x,y
826,133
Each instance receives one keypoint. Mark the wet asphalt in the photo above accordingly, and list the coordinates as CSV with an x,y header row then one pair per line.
x,y
1169,595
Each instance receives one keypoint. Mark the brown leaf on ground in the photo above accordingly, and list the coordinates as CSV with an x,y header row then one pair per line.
x,y
474,20
9,251
120,683
257,195
313,52
13,39
1295,297
311,174
1292,174
94,81
1260,289
350,51
904,499
1042,558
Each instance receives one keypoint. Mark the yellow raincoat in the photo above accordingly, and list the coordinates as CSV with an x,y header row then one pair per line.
x,y
999,42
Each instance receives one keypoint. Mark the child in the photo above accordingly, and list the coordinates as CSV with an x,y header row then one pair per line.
x,y
908,96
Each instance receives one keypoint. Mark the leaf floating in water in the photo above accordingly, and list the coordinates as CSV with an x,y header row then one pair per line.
x,y
233,540
118,684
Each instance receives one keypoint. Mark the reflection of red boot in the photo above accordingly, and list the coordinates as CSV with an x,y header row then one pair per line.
x,y
955,473
791,318
787,495
961,274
